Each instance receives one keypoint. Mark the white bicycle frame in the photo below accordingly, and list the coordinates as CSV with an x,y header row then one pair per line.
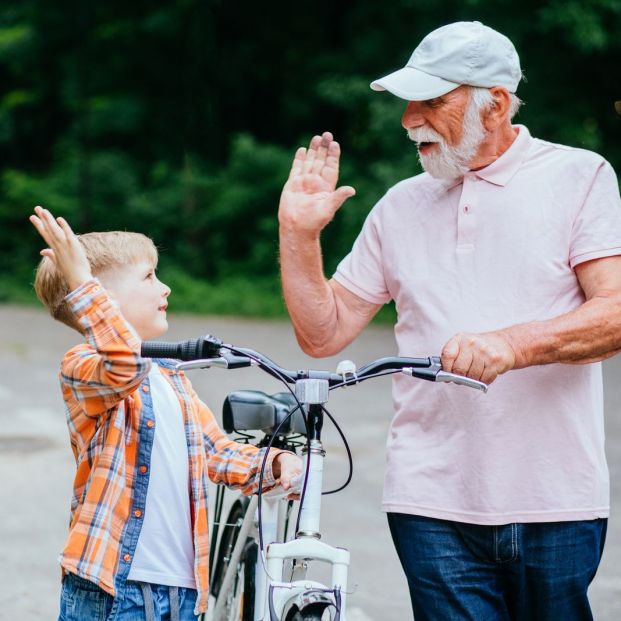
x,y
278,595
274,596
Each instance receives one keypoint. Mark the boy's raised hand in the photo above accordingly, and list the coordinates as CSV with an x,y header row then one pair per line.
x,y
64,248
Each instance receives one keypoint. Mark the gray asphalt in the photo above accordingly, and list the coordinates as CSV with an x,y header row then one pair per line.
x,y
36,464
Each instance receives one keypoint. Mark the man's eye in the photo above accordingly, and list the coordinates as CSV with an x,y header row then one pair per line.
x,y
434,103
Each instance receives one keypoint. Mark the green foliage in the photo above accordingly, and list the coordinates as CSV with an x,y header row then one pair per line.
x,y
583,22
236,296
180,119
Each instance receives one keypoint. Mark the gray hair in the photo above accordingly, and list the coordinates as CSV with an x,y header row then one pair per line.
x,y
482,99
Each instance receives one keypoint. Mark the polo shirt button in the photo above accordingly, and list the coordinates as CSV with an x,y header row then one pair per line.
x,y
150,424
127,558
138,513
466,208
143,469
145,389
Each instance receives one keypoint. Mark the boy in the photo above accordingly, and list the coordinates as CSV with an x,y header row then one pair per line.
x,y
144,443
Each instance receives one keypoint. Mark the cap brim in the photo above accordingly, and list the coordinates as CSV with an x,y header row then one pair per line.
x,y
413,84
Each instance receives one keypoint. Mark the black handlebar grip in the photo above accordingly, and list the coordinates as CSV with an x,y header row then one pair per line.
x,y
192,349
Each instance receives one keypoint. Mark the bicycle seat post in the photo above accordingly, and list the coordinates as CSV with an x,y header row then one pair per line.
x,y
312,393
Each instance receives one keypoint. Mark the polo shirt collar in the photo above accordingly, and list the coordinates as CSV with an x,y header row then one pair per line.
x,y
501,170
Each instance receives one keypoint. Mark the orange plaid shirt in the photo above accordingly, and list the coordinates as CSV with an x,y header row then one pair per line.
x,y
111,425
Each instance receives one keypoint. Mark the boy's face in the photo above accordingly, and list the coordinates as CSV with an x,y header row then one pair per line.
x,y
141,296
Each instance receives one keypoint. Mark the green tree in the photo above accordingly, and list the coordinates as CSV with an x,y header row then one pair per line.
x,y
180,119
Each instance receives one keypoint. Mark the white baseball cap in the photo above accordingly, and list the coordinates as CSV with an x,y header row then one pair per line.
x,y
455,54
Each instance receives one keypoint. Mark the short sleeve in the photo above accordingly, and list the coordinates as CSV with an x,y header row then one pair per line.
x,y
362,271
597,228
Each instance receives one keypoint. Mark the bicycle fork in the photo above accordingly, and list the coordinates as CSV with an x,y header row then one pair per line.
x,y
280,597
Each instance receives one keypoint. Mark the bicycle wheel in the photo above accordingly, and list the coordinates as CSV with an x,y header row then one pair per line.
x,y
239,600
315,612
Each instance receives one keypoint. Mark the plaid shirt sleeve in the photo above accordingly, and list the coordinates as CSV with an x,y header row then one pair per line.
x,y
235,465
104,371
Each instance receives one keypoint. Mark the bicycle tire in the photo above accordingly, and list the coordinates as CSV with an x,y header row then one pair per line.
x,y
240,598
310,613
249,560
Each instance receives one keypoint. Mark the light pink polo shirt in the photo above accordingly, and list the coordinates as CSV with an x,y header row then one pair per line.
x,y
494,249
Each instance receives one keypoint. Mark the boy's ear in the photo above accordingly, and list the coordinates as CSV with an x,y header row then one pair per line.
x,y
108,285
109,279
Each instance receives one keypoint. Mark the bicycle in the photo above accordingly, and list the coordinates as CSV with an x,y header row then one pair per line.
x,y
248,582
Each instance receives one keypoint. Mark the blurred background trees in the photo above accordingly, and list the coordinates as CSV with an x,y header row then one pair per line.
x,y
179,119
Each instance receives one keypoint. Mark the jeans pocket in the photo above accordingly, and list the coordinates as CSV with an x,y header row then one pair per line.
x,y
82,600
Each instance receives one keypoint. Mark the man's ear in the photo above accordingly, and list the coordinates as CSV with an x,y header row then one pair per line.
x,y
498,112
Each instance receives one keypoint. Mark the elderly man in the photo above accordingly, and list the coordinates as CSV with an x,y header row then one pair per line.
x,y
504,256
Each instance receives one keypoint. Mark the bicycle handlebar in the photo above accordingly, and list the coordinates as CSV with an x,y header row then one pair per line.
x,y
192,349
209,351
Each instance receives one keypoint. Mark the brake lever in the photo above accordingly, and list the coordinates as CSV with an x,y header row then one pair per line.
x,y
434,373
443,376
204,363
221,362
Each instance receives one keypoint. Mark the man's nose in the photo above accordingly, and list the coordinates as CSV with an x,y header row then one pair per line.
x,y
412,115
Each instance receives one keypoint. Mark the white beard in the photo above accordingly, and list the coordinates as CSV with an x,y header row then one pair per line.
x,y
451,162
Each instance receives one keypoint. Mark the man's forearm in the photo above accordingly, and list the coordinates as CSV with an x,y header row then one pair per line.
x,y
589,333
309,298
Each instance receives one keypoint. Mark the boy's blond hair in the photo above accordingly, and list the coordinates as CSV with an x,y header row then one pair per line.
x,y
104,251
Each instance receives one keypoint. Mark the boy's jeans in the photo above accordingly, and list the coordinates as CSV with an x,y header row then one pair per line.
x,y
81,600
518,572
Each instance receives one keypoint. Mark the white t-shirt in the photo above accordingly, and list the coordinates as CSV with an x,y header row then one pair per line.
x,y
493,249
165,552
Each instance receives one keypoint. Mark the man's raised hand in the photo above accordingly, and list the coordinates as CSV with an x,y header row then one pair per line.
x,y
310,197
64,250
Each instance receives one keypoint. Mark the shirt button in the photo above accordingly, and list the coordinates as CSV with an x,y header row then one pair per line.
x,y
138,513
145,389
143,469
127,558
466,208
150,424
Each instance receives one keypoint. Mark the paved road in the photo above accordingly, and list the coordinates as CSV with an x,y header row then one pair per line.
x,y
36,463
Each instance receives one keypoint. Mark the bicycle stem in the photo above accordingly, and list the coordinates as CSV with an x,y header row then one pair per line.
x,y
313,393
310,511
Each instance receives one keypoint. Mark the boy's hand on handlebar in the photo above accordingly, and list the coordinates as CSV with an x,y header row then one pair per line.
x,y
64,248
481,357
310,197
286,467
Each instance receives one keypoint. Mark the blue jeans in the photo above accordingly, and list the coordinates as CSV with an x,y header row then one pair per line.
x,y
517,572
81,600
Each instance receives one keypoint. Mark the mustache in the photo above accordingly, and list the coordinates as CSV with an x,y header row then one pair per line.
x,y
424,134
